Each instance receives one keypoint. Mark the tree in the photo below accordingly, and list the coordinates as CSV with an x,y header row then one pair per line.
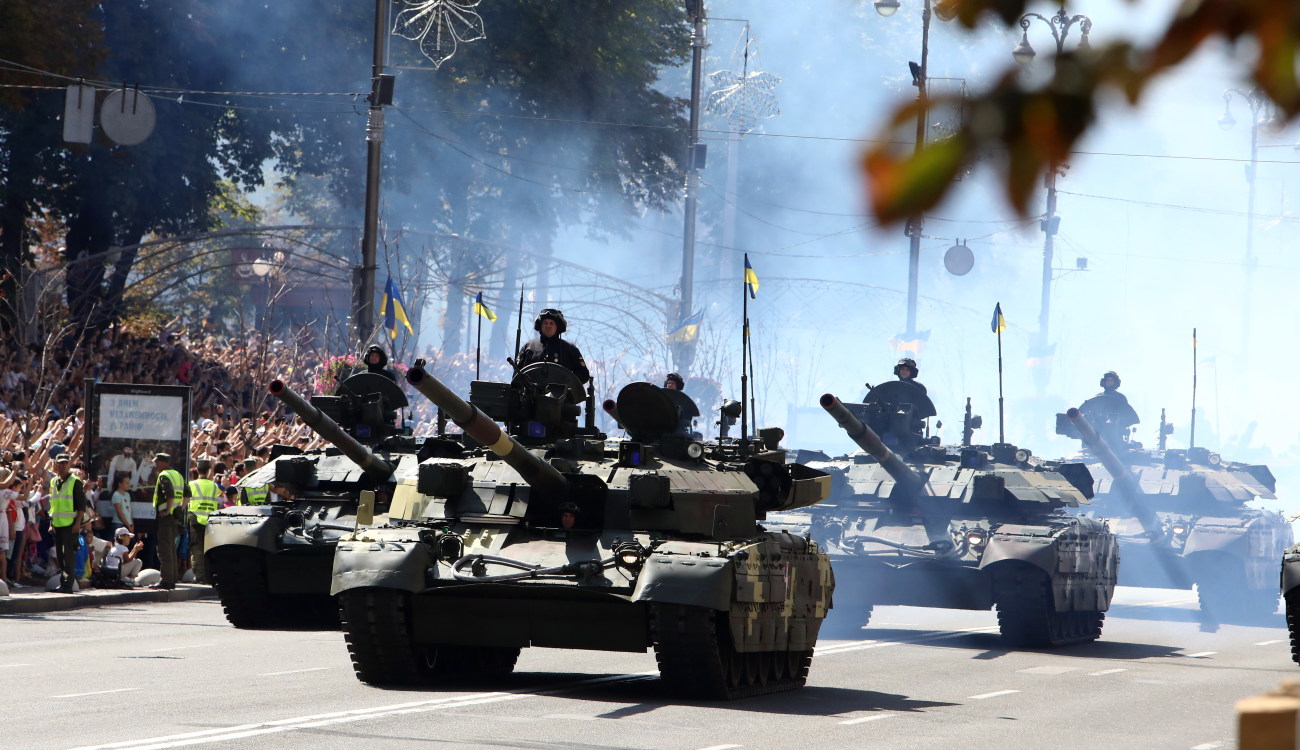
x,y
1035,127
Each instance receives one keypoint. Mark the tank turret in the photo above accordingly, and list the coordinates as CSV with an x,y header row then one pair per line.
x,y
547,534
327,428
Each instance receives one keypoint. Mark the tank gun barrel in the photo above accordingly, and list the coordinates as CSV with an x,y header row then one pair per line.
x,y
476,424
1120,472
870,442
331,431
611,408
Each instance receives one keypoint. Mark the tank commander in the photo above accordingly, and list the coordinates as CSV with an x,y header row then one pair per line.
x,y
568,515
906,370
377,362
674,382
1109,412
549,347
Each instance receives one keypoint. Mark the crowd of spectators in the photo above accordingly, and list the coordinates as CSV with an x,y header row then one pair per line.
x,y
42,415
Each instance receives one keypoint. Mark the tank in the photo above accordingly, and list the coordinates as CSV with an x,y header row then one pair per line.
x,y
911,522
545,534
1187,518
271,563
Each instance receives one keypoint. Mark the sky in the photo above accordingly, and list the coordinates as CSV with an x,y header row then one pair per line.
x,y
1154,200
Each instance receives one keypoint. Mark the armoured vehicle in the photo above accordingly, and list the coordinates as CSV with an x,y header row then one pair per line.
x,y
546,534
915,523
1185,518
271,563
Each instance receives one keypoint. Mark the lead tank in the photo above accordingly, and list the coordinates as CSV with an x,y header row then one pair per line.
x,y
549,535
1185,518
271,563
974,527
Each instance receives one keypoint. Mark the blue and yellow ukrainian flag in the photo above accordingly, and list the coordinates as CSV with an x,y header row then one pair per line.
x,y
999,323
751,279
482,309
687,330
393,310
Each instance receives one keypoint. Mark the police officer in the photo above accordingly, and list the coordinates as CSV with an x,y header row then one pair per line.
x,y
549,347
204,496
377,362
674,382
169,493
67,507
907,371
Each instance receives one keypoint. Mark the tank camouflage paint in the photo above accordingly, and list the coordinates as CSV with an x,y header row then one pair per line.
x,y
271,563
551,535
1188,518
962,527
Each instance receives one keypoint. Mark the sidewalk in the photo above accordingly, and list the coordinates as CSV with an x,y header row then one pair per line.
x,y
30,599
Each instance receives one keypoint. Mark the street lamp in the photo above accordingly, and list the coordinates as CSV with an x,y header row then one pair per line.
x,y
1262,115
915,223
1060,25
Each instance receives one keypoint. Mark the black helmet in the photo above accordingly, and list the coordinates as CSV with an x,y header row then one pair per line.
x,y
377,366
1109,374
907,362
561,325
674,377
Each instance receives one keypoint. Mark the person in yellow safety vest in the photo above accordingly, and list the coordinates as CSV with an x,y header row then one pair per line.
x,y
253,495
204,496
169,493
67,506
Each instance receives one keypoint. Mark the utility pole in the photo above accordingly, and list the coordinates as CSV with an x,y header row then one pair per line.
x,y
1050,223
695,12
1261,115
381,93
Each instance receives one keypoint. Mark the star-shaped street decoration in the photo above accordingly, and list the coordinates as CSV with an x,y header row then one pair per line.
x,y
440,26
743,98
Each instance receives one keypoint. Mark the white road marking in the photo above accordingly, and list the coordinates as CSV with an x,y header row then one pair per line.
x,y
1048,670
570,717
7,666
982,696
865,719
859,645
1106,671
97,692
1208,746
178,648
1200,654
720,747
291,671
1267,643
341,717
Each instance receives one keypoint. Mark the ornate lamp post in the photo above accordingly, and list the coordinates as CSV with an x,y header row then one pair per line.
x,y
1060,25
915,223
1261,115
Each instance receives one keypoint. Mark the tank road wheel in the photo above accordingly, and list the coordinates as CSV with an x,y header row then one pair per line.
x,y
1028,619
239,575
1293,622
696,657
376,625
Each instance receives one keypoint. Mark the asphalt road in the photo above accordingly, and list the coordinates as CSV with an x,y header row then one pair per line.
x,y
170,675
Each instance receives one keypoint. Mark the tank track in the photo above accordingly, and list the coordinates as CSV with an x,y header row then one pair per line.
x,y
1293,622
1225,597
696,658
377,628
1028,619
239,575
847,619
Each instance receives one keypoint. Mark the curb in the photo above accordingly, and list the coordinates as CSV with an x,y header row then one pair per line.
x,y
23,603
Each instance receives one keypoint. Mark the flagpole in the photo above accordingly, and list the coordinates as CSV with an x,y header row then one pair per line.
x,y
1002,437
744,355
1191,439
753,408
478,344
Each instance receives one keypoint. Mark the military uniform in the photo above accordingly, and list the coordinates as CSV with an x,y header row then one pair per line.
x,y
169,499
557,350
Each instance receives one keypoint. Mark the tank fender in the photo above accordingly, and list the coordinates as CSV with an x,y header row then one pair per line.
x,y
380,564
1291,569
1218,535
1083,567
686,579
250,526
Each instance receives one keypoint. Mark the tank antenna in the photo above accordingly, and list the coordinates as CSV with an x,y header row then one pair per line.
x,y
519,328
1191,438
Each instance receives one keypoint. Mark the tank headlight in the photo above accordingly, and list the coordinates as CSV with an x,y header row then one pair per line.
x,y
1215,459
629,555
695,450
976,537
1178,529
1022,455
